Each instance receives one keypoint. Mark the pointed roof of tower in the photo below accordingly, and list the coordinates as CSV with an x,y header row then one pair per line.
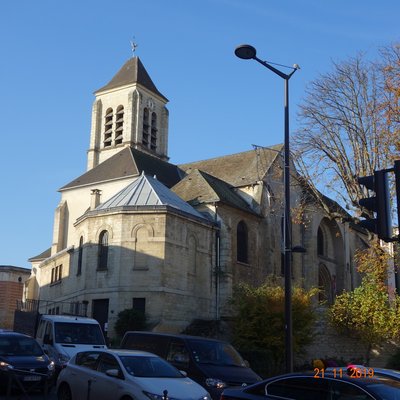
x,y
147,191
132,72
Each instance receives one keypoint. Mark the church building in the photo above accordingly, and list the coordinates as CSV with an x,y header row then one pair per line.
x,y
136,231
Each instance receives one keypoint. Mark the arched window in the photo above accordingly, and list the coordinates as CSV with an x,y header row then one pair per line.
x,y
153,143
119,125
320,242
242,239
108,125
145,135
103,250
80,256
325,285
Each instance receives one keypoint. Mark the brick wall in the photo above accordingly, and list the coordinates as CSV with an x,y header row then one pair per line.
x,y
10,292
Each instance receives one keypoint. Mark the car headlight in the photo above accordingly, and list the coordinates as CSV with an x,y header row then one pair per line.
x,y
5,366
153,396
216,383
63,358
51,366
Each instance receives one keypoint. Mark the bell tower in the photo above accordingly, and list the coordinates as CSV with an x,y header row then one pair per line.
x,y
128,112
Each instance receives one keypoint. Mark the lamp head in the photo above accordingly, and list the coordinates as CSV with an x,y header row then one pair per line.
x,y
245,51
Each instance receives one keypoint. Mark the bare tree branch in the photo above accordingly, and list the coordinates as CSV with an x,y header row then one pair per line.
x,y
350,126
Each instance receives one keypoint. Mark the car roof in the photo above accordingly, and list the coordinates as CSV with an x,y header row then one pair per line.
x,y
362,381
173,335
69,318
14,334
121,352
380,371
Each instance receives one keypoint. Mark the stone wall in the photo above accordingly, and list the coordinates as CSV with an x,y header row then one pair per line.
x,y
328,344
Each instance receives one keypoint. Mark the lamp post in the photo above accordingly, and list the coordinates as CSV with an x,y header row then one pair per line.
x,y
248,52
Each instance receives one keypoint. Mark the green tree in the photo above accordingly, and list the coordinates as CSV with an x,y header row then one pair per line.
x,y
259,322
130,319
369,312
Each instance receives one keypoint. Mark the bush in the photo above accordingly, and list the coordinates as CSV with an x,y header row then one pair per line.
x,y
130,320
259,322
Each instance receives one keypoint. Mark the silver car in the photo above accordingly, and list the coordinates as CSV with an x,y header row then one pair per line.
x,y
124,375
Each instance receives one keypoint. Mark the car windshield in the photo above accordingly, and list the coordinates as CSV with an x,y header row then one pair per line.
x,y
216,353
386,388
19,346
149,367
78,333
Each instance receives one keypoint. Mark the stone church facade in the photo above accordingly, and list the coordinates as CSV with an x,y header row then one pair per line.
x,y
135,230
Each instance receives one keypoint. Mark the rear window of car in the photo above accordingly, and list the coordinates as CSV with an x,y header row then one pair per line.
x,y
387,388
149,367
11,345
300,388
156,344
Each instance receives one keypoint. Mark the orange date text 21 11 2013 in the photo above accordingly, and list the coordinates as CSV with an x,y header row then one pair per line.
x,y
340,372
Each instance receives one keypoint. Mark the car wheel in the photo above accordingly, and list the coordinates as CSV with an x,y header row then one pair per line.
x,y
64,392
127,398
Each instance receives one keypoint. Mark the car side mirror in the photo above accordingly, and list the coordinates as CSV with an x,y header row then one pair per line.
x,y
184,373
113,372
246,363
47,340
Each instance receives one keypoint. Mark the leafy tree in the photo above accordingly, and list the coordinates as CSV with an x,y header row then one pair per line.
x,y
130,319
349,125
259,319
369,312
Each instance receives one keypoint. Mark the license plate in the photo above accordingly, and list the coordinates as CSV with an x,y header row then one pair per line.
x,y
32,378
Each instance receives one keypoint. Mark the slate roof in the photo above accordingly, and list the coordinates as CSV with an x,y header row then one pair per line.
x,y
132,72
129,162
147,191
199,187
42,256
238,169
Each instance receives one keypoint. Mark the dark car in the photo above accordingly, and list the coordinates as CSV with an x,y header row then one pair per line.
x,y
23,364
212,363
317,386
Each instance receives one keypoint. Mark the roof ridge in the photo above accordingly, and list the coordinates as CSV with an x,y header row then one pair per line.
x,y
271,148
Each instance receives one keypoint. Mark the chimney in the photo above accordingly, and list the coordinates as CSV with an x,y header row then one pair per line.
x,y
95,199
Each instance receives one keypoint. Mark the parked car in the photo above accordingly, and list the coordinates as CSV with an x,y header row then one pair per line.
x,y
214,364
356,370
23,364
318,386
124,375
62,336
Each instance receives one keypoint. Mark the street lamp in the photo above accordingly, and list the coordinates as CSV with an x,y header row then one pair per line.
x,y
247,52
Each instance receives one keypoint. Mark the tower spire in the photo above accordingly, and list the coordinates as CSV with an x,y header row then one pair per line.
x,y
134,46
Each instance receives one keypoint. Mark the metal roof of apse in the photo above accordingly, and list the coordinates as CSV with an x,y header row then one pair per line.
x,y
147,191
132,72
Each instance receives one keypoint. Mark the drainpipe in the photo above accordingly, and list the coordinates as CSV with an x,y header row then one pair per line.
x,y
217,264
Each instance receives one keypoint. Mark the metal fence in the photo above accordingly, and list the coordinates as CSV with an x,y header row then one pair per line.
x,y
78,308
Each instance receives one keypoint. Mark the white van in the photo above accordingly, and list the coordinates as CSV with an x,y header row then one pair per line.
x,y
62,336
